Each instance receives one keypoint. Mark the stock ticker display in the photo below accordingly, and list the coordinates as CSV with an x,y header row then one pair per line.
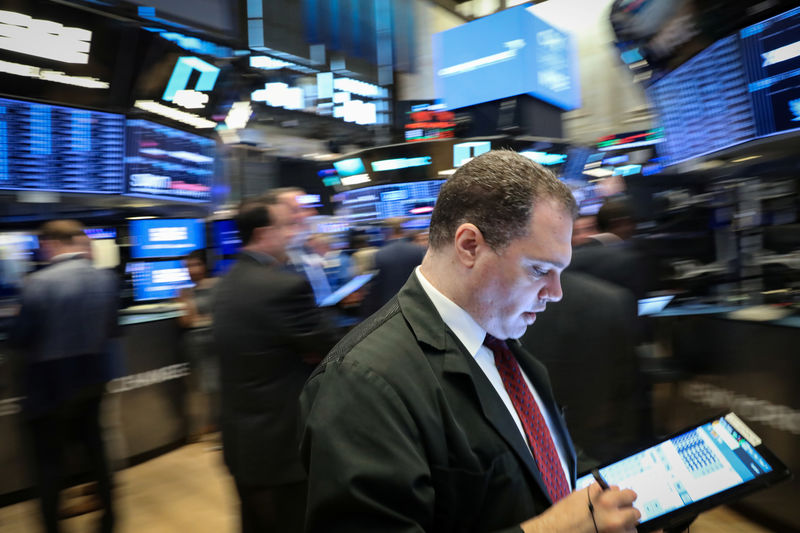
x,y
703,105
63,149
164,162
771,51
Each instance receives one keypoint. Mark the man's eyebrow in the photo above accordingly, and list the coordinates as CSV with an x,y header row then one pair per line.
x,y
553,262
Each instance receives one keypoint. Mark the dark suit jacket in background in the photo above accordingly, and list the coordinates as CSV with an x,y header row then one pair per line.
x,y
395,261
586,341
269,335
404,432
618,263
67,318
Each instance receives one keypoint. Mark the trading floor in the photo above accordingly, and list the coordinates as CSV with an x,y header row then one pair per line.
x,y
188,490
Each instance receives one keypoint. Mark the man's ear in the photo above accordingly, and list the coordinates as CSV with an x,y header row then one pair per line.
x,y
468,240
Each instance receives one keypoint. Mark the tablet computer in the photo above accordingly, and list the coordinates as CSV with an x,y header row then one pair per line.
x,y
347,289
700,467
654,304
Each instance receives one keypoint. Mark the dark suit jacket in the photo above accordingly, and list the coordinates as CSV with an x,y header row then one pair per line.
x,y
403,432
67,318
586,341
394,262
269,334
618,263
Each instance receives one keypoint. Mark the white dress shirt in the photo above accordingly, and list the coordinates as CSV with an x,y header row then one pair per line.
x,y
472,335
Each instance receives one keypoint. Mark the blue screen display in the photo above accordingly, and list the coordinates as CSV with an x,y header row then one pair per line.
x,y
383,201
226,237
349,167
166,238
158,280
163,162
53,148
509,53
772,64
685,469
703,104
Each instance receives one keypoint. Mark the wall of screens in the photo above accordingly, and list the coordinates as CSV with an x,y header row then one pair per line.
x,y
54,148
742,87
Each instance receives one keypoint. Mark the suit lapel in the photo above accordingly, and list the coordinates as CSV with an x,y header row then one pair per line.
x,y
463,372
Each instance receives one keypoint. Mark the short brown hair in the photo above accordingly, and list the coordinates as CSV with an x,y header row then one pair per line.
x,y
62,231
496,192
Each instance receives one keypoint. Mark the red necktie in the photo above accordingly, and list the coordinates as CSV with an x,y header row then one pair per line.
x,y
539,438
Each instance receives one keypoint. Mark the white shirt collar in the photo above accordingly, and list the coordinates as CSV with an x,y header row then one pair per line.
x,y
469,332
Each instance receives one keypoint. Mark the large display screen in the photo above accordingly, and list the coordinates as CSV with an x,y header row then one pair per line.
x,y
772,63
509,53
158,280
226,236
703,105
383,201
53,148
164,162
56,53
166,238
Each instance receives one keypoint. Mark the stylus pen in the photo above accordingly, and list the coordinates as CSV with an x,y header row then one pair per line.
x,y
599,479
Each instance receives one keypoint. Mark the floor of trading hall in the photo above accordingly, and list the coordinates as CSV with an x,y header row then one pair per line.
x,y
189,490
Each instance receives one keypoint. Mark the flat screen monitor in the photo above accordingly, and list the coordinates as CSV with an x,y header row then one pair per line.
x,y
17,254
101,233
62,149
164,162
226,237
349,167
392,200
506,54
166,238
703,105
158,280
772,66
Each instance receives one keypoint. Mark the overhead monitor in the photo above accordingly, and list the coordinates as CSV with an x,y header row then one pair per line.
x,y
164,162
155,238
772,64
158,280
226,236
506,54
54,148
378,202
463,152
703,105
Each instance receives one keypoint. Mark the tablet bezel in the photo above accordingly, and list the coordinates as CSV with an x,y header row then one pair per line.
x,y
677,516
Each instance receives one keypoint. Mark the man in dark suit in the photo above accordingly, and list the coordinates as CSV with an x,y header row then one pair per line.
x,y
395,261
66,322
589,337
429,416
269,335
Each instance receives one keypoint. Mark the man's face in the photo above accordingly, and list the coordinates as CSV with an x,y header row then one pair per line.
x,y
197,269
517,283
583,228
280,232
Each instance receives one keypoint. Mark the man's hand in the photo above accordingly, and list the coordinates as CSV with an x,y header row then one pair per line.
x,y
613,513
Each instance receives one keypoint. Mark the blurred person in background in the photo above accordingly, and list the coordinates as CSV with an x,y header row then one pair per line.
x,y
338,266
197,343
363,255
583,228
300,229
67,319
420,238
610,254
394,261
269,335
430,416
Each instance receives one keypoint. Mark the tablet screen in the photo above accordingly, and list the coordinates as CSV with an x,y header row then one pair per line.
x,y
348,288
692,466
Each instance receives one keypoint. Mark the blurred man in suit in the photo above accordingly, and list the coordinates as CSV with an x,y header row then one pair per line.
x,y
589,337
66,322
394,261
269,335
